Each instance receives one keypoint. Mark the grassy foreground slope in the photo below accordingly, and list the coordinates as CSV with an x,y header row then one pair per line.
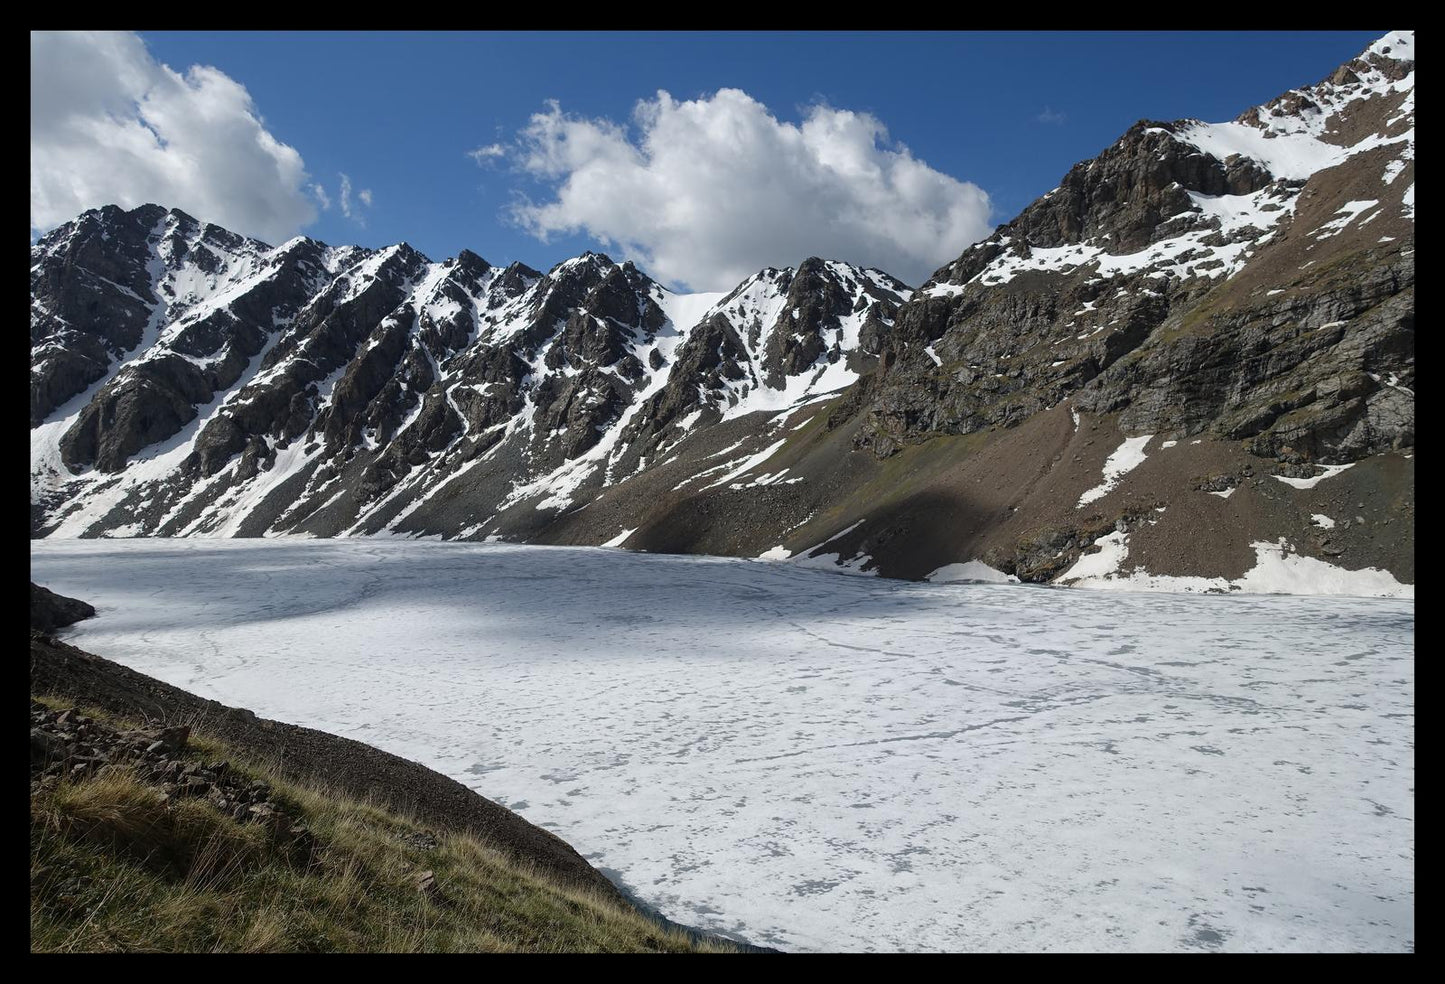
x,y
117,864
160,821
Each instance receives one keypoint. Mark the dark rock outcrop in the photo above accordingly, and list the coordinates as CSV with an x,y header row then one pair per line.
x,y
50,611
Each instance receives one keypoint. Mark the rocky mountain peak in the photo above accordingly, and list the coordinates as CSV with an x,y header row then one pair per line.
x,y
469,262
1106,288
587,265
1132,188
1367,96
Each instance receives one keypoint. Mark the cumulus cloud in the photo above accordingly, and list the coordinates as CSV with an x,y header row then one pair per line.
x,y
111,125
713,189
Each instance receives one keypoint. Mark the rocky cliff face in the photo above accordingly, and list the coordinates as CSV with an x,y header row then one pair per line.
x,y
1191,365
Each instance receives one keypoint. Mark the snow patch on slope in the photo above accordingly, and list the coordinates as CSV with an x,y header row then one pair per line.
x,y
972,571
1278,569
1126,458
1330,471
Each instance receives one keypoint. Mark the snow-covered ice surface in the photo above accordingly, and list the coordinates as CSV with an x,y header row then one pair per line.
x,y
818,762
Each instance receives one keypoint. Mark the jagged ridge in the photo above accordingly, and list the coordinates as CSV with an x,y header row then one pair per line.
x,y
246,389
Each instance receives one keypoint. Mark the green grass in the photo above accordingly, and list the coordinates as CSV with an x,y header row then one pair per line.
x,y
114,868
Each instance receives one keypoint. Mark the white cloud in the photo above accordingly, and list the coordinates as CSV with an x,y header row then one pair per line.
x,y
483,155
111,125
364,196
1049,116
322,197
715,188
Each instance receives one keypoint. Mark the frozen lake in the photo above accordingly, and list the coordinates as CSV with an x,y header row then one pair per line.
x,y
817,762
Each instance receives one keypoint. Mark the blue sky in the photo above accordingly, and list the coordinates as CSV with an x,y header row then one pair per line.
x,y
398,113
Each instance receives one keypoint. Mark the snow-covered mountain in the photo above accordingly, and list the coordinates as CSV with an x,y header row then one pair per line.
x,y
1190,366
185,380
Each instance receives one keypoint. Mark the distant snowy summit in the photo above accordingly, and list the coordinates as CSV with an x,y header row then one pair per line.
x,y
1155,376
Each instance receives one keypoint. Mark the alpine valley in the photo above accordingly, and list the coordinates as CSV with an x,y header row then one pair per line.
x,y
1190,366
